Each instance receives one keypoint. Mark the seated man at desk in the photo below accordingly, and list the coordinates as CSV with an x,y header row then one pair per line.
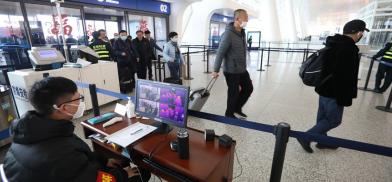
x,y
44,147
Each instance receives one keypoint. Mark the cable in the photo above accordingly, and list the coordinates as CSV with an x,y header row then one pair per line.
x,y
157,146
238,161
140,174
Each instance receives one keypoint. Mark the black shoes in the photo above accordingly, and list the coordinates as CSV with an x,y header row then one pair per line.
x,y
231,116
378,91
323,146
240,114
305,146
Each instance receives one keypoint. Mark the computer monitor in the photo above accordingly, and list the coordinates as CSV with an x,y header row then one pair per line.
x,y
165,103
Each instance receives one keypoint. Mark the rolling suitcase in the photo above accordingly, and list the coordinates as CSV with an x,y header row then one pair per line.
x,y
198,97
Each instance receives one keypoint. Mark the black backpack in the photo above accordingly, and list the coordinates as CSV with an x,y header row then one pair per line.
x,y
311,70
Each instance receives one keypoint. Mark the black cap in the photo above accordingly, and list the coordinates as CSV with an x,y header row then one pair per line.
x,y
354,26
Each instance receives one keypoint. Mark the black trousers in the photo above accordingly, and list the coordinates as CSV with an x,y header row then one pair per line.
x,y
149,69
240,88
142,70
383,72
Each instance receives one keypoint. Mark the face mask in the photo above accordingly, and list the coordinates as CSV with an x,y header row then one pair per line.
x,y
243,24
115,37
79,112
123,37
174,39
359,39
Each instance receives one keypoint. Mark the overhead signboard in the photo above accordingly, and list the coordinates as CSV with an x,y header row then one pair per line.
x,y
141,5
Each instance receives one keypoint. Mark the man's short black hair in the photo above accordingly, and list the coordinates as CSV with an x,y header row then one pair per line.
x,y
172,34
139,31
122,31
101,30
147,32
48,92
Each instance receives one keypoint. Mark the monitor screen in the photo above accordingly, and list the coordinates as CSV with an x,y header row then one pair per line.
x,y
47,54
163,102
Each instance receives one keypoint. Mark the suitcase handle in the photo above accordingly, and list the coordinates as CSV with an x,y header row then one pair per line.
x,y
210,85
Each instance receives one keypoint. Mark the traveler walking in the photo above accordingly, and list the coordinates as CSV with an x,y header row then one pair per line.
x,y
232,52
338,91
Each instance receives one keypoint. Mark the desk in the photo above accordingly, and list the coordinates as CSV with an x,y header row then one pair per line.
x,y
207,162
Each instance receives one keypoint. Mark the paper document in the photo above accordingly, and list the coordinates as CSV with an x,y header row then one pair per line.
x,y
130,134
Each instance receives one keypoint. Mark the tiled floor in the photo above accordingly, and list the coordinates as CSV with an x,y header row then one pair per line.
x,y
279,96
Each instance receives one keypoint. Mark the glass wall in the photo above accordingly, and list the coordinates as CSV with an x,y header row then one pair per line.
x,y
160,31
13,39
138,22
45,25
104,18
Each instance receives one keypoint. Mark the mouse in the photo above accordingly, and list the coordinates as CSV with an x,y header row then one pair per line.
x,y
173,146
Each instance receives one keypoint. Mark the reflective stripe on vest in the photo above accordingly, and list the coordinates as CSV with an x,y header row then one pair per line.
x,y
102,52
104,56
387,57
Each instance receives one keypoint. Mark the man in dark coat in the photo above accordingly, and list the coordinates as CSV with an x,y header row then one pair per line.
x,y
340,90
144,54
126,58
153,47
44,147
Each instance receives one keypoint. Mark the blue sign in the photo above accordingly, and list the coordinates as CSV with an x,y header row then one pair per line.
x,y
141,5
221,18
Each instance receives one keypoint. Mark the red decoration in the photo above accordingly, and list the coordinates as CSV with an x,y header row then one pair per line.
x,y
55,26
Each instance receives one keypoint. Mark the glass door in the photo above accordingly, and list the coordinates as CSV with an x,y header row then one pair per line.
x,y
13,39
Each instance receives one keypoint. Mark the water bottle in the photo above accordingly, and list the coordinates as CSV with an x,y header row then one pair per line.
x,y
130,108
183,144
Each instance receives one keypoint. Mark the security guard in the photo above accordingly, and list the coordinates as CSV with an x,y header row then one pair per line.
x,y
101,47
384,71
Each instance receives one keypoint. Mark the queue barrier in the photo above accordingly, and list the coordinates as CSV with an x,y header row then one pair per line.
x,y
281,131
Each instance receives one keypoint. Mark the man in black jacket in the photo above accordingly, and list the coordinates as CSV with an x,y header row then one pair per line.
x,y
153,47
126,58
144,54
339,91
44,147
384,71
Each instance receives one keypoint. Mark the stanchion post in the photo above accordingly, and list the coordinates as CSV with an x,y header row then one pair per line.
x,y
368,76
160,68
188,65
387,107
94,99
208,61
281,132
269,51
204,52
261,60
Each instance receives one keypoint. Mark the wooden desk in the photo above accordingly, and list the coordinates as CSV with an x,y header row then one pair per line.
x,y
207,161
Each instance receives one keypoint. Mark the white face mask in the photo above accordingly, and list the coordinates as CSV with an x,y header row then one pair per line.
x,y
79,112
174,39
123,37
243,24
115,37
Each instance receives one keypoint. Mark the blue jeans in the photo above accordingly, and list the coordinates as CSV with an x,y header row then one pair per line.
x,y
329,116
174,70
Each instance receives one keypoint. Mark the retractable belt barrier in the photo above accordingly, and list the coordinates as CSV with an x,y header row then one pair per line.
x,y
345,143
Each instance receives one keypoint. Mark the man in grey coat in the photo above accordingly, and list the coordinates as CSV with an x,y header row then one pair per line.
x,y
232,53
